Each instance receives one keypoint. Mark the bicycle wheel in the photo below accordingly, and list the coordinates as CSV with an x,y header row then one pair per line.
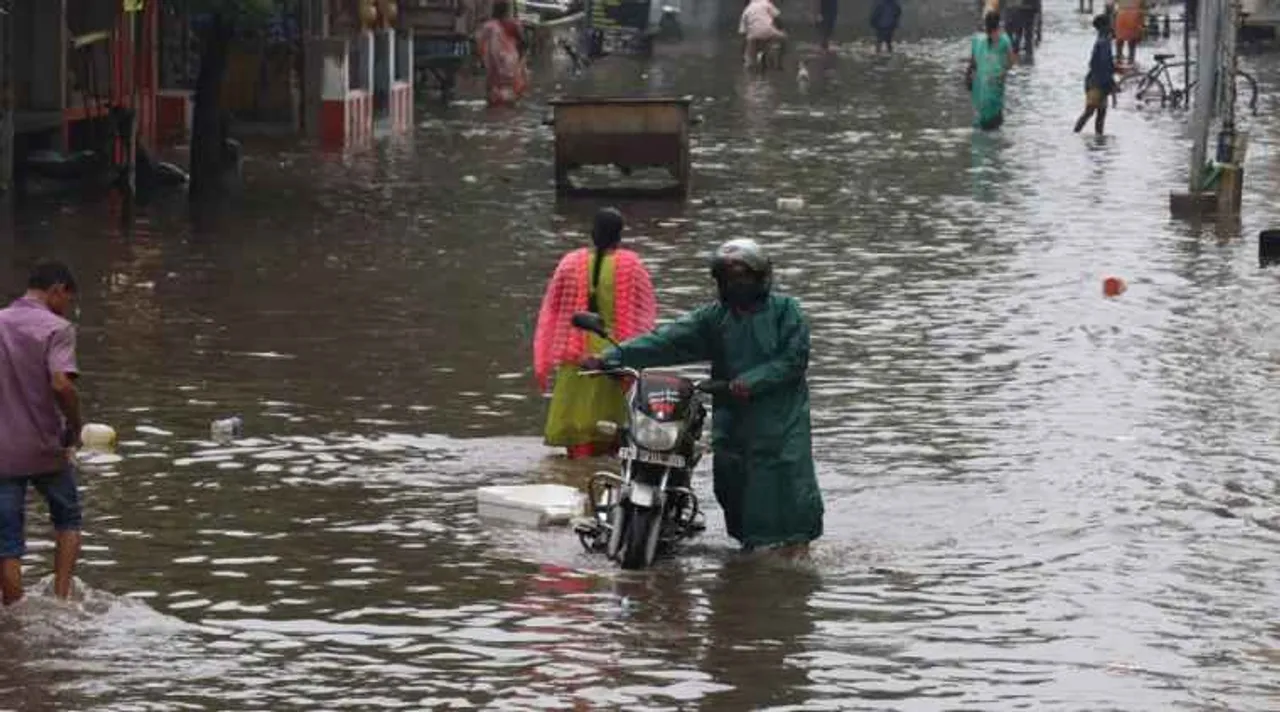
x,y
1144,88
1177,73
1246,89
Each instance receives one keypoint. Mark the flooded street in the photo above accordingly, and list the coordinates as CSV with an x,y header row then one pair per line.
x,y
1037,498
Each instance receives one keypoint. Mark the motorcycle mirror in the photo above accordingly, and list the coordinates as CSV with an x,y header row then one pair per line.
x,y
589,321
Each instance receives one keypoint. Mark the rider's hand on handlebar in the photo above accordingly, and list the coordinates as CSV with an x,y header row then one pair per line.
x,y
739,389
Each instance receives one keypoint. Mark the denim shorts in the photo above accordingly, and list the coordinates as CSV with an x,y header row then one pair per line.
x,y
60,493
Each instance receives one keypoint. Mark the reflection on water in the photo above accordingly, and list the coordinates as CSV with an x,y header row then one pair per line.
x,y
1036,498
758,624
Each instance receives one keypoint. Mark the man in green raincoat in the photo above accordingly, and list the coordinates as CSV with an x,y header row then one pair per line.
x,y
757,342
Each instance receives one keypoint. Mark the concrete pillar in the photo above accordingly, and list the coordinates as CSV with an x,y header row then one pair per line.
x,y
346,112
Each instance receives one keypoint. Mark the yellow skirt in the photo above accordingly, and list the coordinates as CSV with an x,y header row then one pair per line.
x,y
578,403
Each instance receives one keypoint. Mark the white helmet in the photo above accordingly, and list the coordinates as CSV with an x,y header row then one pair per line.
x,y
746,252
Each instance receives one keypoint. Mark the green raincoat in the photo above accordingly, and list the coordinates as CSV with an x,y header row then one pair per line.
x,y
990,59
763,468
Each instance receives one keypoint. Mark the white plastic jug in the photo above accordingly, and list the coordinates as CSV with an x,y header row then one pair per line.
x,y
97,436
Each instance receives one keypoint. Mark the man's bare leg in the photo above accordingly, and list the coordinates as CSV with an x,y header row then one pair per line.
x,y
10,581
65,555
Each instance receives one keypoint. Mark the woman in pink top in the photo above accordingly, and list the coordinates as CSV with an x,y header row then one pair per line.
x,y
610,281
501,44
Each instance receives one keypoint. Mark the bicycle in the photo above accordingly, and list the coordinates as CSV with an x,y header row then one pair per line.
x,y
1158,83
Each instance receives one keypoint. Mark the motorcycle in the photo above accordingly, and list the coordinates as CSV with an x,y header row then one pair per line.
x,y
648,506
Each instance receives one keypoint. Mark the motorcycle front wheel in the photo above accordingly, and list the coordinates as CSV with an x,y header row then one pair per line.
x,y
640,538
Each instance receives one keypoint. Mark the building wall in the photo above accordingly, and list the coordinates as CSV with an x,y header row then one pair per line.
x,y
6,110
39,58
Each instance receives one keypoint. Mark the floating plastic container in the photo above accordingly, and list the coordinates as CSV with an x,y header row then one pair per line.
x,y
227,429
530,505
791,203
98,437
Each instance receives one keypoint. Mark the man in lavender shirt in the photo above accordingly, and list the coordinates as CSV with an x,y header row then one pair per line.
x,y
39,423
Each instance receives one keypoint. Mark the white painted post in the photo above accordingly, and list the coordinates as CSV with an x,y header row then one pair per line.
x,y
336,67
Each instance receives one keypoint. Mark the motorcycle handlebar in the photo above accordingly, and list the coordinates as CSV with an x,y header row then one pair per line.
x,y
713,387
613,372
709,386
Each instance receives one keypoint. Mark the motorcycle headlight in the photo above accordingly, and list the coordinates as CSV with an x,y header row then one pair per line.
x,y
652,435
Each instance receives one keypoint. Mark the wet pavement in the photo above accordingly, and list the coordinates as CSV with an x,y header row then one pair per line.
x,y
1037,498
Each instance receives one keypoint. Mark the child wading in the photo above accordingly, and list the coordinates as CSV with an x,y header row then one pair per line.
x,y
758,25
1100,82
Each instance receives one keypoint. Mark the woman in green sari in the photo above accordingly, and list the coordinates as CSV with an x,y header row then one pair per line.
x,y
990,58
613,283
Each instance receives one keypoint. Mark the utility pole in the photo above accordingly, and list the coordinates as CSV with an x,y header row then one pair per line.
x,y
1227,79
1208,26
1214,104
1187,23
1231,145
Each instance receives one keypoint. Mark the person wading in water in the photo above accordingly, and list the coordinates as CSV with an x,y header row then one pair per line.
x,y
990,59
827,10
609,281
1100,82
500,41
39,424
758,342
884,22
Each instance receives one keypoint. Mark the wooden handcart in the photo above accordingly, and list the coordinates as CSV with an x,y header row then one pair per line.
x,y
629,133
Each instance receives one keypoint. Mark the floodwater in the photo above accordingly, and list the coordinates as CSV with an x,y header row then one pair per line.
x,y
1037,498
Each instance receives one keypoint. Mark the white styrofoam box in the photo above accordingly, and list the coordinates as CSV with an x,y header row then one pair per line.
x,y
530,505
